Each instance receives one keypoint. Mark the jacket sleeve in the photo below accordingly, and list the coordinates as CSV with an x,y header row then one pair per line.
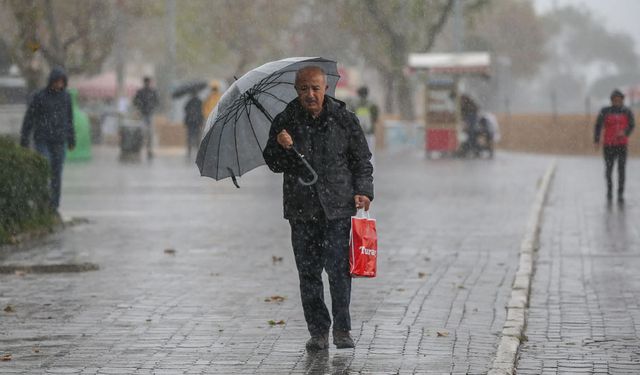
x,y
279,159
631,124
70,131
29,122
598,127
359,159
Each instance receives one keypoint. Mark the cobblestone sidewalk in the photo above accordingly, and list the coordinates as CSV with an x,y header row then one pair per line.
x,y
226,299
584,315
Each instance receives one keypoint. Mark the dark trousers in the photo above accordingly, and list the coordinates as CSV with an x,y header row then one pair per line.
x,y
148,124
611,154
319,244
193,139
55,153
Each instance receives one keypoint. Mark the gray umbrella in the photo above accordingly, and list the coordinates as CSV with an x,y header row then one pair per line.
x,y
238,128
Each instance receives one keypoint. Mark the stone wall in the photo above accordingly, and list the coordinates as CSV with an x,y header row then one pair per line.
x,y
565,134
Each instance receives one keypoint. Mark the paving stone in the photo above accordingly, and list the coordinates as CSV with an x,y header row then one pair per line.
x,y
450,232
584,297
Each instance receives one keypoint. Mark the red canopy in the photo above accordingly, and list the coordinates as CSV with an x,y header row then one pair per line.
x,y
104,86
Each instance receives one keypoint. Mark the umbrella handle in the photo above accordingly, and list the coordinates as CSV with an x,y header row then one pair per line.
x,y
309,167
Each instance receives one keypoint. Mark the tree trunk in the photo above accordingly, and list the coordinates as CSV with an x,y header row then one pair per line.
x,y
387,78
404,98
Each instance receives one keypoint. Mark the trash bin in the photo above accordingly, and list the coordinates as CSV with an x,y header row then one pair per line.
x,y
82,151
131,139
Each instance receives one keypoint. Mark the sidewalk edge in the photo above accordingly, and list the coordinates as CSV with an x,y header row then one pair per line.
x,y
514,327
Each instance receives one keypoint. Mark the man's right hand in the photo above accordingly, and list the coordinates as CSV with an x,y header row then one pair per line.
x,y
284,139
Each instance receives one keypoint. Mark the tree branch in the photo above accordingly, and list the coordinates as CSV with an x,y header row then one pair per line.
x,y
436,28
55,41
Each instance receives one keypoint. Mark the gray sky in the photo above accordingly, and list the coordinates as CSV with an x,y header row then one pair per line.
x,y
617,15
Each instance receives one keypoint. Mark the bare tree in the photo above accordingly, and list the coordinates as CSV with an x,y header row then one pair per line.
x,y
75,34
388,30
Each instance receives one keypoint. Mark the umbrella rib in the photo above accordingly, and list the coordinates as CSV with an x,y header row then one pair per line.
x,y
238,110
255,136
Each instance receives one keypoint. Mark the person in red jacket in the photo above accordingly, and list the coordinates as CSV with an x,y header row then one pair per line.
x,y
618,123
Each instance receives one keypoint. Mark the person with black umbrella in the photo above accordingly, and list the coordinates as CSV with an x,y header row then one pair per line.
x,y
333,143
193,120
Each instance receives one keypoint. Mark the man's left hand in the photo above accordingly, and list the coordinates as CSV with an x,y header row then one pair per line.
x,y
71,146
362,201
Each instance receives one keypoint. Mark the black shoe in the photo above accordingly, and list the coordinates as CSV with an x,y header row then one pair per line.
x,y
318,342
609,195
343,340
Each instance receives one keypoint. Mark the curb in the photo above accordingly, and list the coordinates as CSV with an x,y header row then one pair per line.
x,y
513,330
27,239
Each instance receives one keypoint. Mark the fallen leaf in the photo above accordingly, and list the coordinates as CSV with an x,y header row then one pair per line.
x,y
33,45
276,259
280,322
148,320
442,333
400,289
9,309
421,275
20,273
170,251
36,350
275,299
6,357
272,322
461,287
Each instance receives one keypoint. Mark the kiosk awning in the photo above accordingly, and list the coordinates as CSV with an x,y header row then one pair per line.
x,y
452,63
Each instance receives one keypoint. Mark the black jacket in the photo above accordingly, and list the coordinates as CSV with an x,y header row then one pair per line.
x,y
336,148
146,100
193,117
49,115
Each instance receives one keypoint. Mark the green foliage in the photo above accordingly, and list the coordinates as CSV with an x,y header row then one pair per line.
x,y
24,190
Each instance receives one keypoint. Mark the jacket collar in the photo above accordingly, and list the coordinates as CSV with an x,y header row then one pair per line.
x,y
329,107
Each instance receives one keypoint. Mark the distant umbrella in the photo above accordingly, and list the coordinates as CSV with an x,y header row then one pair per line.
x,y
188,88
238,128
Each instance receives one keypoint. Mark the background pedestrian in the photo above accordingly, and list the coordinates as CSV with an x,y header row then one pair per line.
x,y
49,117
146,101
618,123
193,121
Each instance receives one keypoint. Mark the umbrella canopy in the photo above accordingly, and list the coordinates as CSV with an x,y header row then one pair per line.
x,y
238,128
187,88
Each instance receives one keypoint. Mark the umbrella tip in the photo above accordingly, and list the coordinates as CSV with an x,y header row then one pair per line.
x,y
233,177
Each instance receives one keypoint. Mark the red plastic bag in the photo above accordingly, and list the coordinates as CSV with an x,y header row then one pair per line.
x,y
363,246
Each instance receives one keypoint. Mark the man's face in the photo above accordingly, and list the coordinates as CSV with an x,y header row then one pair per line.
x,y
617,101
58,84
311,86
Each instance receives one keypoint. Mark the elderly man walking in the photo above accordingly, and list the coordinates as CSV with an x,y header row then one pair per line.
x,y
332,141
618,123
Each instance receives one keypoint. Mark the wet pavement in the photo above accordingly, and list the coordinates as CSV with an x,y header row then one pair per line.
x,y
584,314
189,266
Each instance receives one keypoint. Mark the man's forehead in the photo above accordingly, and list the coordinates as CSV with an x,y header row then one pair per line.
x,y
310,75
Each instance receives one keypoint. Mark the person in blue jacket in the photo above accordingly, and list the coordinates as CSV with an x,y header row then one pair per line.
x,y
49,118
